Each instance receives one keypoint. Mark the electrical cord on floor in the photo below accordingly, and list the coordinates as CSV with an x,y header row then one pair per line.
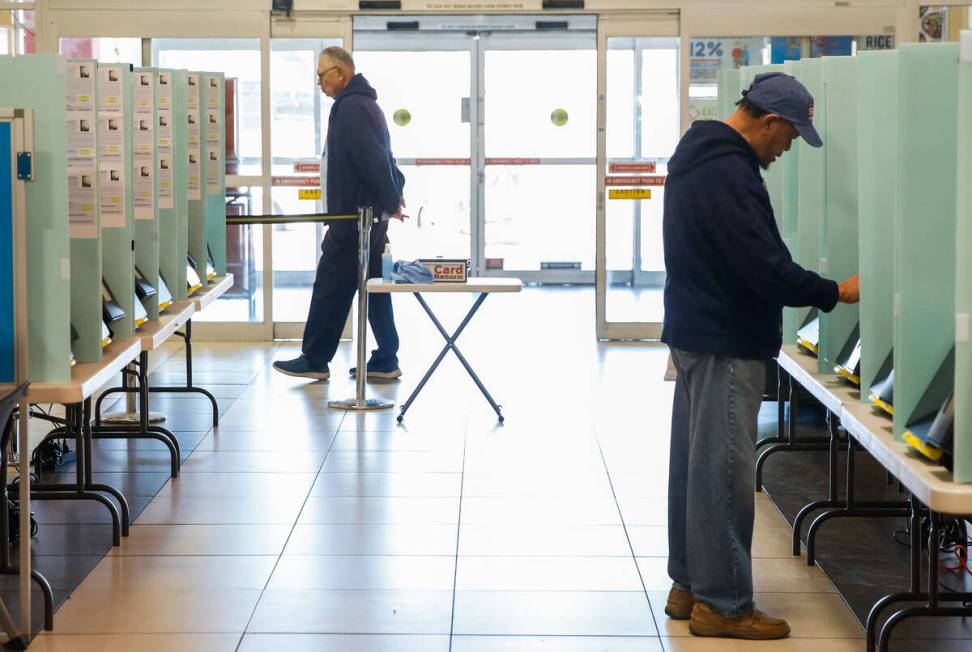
x,y
954,539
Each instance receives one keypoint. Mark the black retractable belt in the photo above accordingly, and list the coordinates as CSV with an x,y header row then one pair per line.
x,y
311,218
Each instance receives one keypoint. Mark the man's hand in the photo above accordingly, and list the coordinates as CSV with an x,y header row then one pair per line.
x,y
398,215
849,290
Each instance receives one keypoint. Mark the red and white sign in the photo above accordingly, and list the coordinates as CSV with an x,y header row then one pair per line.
x,y
299,182
442,161
647,166
447,271
512,161
635,181
307,166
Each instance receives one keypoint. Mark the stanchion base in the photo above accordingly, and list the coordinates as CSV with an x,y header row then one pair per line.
x,y
367,404
132,418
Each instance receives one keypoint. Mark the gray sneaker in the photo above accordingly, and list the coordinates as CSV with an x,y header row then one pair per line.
x,y
382,374
301,367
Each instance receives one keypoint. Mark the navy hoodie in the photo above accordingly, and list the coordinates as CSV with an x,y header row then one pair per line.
x,y
729,272
361,170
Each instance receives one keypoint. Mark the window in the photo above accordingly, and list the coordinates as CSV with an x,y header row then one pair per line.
x,y
236,58
105,50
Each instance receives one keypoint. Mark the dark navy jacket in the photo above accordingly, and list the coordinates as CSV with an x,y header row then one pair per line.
x,y
361,170
729,272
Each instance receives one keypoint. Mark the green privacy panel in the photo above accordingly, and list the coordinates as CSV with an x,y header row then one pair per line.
x,y
214,96
925,262
115,176
165,170
195,171
812,179
145,183
792,317
963,294
180,196
38,82
877,111
839,251
729,86
81,109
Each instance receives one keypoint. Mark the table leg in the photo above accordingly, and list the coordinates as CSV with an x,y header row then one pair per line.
x,y
451,344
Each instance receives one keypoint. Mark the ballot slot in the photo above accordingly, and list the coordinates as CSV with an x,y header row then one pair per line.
x,y
143,288
105,335
111,310
192,278
849,360
140,316
74,337
165,297
808,335
210,265
882,389
936,405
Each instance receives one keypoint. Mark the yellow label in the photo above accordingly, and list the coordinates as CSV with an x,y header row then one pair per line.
x,y
629,193
308,193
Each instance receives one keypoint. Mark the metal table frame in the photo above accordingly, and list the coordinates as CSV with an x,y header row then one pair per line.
x,y
914,475
484,287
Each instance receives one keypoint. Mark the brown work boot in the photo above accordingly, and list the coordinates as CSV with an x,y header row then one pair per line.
x,y
754,626
680,603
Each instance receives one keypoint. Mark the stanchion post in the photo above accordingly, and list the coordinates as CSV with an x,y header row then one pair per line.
x,y
359,402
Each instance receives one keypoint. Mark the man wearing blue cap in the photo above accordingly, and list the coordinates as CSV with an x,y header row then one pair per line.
x,y
729,276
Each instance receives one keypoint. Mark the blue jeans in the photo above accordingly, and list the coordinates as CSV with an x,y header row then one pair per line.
x,y
711,484
334,288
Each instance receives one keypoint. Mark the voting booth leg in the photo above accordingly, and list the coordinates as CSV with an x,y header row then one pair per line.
x,y
780,435
189,388
851,507
141,429
791,443
881,640
130,416
359,402
75,416
451,344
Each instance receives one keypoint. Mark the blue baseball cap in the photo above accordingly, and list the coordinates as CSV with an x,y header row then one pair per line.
x,y
779,93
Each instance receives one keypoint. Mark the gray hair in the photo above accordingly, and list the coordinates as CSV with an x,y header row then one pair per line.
x,y
340,56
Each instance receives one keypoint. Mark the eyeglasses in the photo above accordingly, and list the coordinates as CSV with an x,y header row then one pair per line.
x,y
322,75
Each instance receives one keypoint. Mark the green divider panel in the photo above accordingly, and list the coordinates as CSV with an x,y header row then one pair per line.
x,y
812,179
145,181
877,123
81,109
180,197
195,171
37,82
115,209
729,86
792,317
169,265
214,94
925,264
963,295
839,250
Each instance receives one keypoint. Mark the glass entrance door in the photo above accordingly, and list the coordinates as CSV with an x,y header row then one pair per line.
x,y
639,126
492,121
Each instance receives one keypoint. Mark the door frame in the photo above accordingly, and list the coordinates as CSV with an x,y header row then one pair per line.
x,y
661,24
477,34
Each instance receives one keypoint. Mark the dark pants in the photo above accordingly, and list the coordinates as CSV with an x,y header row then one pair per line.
x,y
334,289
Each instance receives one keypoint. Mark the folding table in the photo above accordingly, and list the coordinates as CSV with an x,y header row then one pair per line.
x,y
483,286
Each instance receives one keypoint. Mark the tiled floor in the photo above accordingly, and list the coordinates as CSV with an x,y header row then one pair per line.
x,y
295,527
